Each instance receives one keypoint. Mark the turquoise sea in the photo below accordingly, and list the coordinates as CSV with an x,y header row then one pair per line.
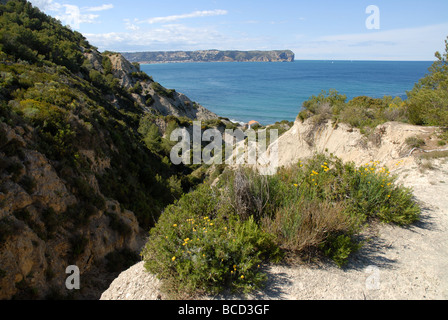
x,y
270,92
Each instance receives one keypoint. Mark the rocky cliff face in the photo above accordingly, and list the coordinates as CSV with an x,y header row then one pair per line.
x,y
37,242
149,95
41,216
77,184
211,56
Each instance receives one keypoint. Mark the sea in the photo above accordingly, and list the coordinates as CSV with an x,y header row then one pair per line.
x,y
269,92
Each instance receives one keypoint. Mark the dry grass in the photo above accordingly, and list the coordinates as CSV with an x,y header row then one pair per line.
x,y
302,228
434,155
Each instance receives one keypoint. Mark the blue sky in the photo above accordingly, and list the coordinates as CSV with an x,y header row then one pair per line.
x,y
318,29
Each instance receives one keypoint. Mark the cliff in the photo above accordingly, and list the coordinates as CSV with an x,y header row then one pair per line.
x,y
78,185
210,56
387,144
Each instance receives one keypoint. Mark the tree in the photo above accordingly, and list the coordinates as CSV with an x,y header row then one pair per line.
x,y
428,100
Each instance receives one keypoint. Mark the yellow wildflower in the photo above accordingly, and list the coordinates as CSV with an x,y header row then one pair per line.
x,y
173,258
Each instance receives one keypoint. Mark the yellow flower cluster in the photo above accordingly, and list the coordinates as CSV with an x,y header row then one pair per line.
x,y
399,162
372,167
186,242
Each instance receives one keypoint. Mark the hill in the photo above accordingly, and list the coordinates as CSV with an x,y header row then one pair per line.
x,y
210,56
78,183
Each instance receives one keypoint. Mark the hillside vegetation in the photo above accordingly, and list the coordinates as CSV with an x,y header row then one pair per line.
x,y
219,236
78,183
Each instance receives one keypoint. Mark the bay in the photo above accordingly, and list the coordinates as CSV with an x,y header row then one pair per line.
x,y
271,92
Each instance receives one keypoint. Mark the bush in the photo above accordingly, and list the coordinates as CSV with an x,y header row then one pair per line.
x,y
323,198
215,238
200,246
428,100
415,142
339,248
160,90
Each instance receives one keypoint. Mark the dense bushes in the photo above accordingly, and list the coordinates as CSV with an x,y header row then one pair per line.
x,y
200,245
216,237
360,112
30,35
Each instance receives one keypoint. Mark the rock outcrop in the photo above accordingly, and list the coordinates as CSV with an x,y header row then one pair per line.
x,y
210,56
37,242
152,96
386,144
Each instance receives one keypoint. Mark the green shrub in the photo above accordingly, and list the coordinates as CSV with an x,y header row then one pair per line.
x,y
160,90
374,194
323,197
339,248
415,142
428,100
200,246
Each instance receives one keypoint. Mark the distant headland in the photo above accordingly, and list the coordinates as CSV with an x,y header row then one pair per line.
x,y
210,56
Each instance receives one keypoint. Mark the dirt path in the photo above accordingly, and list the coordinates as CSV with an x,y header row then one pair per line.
x,y
397,263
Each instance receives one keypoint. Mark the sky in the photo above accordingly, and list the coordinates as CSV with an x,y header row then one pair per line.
x,y
313,30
